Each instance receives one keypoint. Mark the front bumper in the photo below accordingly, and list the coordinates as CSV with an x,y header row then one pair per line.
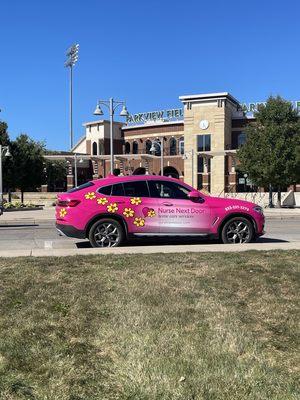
x,y
70,231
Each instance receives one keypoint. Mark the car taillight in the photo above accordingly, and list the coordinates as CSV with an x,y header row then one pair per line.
x,y
68,203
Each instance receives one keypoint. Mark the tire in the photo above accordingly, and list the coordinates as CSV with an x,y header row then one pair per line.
x,y
237,230
106,233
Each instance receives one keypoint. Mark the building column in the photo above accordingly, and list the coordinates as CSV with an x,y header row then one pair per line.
x,y
95,169
232,176
70,176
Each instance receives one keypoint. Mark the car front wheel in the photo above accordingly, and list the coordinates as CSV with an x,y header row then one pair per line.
x,y
237,230
106,233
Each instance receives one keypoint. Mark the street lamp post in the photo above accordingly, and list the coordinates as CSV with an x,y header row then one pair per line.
x,y
161,146
4,151
186,155
72,57
111,104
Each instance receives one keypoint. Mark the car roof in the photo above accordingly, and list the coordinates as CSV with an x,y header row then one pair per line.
x,y
111,179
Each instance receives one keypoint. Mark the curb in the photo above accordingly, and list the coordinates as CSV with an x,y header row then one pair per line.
x,y
215,248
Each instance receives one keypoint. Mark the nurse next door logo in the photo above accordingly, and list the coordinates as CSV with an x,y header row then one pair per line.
x,y
180,211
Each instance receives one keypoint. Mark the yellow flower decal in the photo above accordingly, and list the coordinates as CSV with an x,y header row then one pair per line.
x,y
139,221
102,201
135,201
62,212
151,213
112,207
128,212
90,195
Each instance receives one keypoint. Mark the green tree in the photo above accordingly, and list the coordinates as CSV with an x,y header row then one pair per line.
x,y
27,164
56,172
4,137
269,155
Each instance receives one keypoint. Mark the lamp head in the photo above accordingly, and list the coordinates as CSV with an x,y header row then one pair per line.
x,y
124,112
98,110
7,153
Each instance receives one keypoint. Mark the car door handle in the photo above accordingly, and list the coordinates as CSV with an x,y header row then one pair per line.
x,y
168,204
120,202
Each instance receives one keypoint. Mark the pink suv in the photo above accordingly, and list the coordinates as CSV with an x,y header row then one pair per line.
x,y
110,210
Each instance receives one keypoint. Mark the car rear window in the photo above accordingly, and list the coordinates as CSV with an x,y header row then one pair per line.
x,y
78,188
105,190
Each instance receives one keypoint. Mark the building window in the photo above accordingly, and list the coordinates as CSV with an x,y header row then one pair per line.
x,y
201,171
200,168
203,142
148,146
181,145
95,149
173,145
135,147
101,147
157,146
241,139
127,148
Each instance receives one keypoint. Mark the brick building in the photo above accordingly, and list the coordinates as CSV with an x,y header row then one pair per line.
x,y
199,141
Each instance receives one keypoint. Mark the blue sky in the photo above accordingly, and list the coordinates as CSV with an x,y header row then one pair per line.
x,y
147,53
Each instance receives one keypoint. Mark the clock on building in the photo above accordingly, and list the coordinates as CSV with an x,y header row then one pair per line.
x,y
204,124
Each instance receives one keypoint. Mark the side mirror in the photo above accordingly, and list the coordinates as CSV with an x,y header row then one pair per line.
x,y
194,195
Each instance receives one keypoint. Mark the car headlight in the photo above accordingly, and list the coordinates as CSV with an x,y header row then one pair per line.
x,y
258,209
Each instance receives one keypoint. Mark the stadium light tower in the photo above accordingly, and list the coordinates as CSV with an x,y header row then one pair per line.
x,y
72,57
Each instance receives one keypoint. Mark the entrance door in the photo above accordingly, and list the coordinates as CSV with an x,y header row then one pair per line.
x,y
177,213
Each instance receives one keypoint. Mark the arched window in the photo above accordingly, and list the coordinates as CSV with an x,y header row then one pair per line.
x,y
173,145
135,147
95,149
148,145
181,145
157,146
127,148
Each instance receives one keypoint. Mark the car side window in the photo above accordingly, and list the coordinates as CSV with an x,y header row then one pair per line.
x,y
105,190
170,190
136,189
117,190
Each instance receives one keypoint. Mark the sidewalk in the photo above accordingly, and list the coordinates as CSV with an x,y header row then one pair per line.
x,y
192,248
48,215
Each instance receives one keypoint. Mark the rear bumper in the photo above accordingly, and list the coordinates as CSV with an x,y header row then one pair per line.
x,y
70,231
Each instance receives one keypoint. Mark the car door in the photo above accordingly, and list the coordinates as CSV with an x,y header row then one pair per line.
x,y
177,213
140,210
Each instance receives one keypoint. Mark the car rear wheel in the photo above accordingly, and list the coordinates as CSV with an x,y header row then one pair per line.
x,y
106,233
237,230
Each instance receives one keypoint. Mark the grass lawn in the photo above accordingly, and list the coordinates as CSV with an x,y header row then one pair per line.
x,y
181,326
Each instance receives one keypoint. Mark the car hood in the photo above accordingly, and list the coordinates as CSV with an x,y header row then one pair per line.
x,y
231,202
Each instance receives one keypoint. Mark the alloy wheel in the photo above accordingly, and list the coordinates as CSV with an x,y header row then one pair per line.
x,y
238,232
107,235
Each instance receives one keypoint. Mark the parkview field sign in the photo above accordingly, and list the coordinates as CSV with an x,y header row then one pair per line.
x,y
175,114
253,107
153,116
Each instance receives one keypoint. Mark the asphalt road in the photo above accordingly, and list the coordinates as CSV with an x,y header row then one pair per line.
x,y
43,235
